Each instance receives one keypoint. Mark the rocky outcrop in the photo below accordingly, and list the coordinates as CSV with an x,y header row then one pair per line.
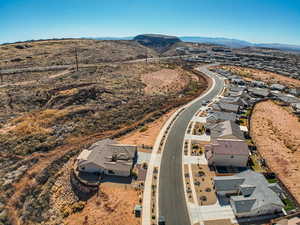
x,y
157,41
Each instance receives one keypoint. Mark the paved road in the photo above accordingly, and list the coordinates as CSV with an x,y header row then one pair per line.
x,y
172,203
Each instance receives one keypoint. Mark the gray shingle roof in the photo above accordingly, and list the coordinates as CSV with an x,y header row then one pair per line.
x,y
227,129
228,183
225,107
110,155
260,92
241,204
221,116
262,194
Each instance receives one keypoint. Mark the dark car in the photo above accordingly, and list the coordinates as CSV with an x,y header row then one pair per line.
x,y
161,220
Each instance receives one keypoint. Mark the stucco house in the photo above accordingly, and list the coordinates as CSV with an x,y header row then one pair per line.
x,y
250,194
227,152
217,116
107,157
225,130
225,107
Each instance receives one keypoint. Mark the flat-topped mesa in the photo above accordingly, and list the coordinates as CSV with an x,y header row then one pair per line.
x,y
157,41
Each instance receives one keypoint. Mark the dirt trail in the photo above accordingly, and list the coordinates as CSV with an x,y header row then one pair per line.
x,y
23,83
276,132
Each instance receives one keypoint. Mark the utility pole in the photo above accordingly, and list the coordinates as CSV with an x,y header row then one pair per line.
x,y
76,58
146,55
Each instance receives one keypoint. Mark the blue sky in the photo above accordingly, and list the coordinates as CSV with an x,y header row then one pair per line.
x,y
262,21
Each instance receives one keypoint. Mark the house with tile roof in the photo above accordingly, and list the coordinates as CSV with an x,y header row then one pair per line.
x,y
107,157
250,194
227,152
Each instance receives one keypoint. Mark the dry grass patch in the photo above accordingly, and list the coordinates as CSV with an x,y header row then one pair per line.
x,y
37,122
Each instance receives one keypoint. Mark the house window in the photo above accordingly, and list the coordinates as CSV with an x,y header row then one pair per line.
x,y
111,172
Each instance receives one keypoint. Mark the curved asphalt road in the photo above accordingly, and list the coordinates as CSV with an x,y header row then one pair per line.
x,y
172,203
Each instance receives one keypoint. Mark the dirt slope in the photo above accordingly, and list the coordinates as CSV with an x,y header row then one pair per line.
x,y
265,76
276,133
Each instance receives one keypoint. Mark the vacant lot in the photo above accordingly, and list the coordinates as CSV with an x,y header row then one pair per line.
x,y
265,76
164,81
147,134
276,133
114,207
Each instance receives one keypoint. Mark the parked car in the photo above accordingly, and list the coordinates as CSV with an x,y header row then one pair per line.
x,y
161,220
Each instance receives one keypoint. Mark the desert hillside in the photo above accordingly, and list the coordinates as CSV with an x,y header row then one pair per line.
x,y
48,117
62,52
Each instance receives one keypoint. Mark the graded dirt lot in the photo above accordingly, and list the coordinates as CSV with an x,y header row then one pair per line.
x,y
163,81
114,207
276,133
148,134
265,76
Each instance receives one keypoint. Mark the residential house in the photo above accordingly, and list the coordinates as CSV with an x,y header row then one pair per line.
x,y
235,101
238,81
225,130
288,100
224,107
296,107
237,88
295,91
227,152
258,92
217,116
278,87
107,157
258,84
250,194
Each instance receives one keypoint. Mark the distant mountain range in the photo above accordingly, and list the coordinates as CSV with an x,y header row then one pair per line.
x,y
236,43
229,42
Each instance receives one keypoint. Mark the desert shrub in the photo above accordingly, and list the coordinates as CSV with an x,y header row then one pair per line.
x,y
134,175
78,206
144,128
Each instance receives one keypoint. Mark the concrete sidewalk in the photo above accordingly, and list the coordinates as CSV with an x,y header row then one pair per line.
x,y
197,138
199,214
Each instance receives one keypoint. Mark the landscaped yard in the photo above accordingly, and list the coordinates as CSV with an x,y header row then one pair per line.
x,y
256,165
197,149
198,129
187,183
203,182
289,205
